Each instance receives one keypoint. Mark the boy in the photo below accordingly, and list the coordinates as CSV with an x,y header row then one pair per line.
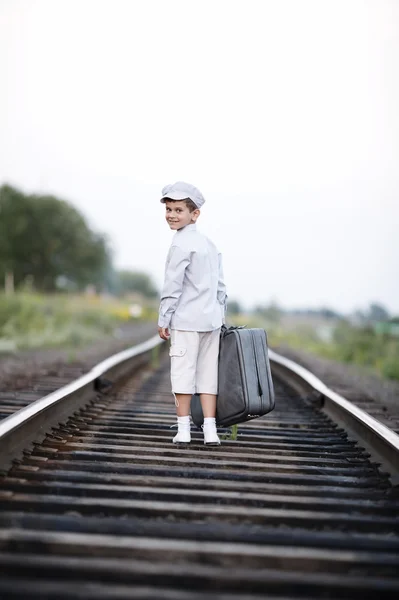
x,y
193,304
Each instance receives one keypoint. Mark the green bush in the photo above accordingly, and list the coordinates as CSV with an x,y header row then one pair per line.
x,y
349,344
35,321
363,346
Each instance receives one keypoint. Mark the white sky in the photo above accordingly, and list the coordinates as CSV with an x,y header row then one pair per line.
x,y
284,113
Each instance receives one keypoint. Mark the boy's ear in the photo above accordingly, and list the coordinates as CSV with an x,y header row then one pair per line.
x,y
195,214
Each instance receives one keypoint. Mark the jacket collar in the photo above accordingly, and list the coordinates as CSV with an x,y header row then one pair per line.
x,y
190,227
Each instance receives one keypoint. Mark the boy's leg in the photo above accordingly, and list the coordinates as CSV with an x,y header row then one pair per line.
x,y
183,352
207,382
208,403
207,371
183,402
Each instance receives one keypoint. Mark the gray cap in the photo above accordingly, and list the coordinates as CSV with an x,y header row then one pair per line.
x,y
180,191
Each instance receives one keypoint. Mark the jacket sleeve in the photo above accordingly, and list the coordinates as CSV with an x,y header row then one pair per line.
x,y
222,295
176,265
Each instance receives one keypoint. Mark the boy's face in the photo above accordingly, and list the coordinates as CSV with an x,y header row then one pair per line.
x,y
178,214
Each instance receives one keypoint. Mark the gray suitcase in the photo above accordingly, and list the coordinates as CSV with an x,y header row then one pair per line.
x,y
245,382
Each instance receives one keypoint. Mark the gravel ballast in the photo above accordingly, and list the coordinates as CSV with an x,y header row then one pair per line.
x,y
22,370
357,384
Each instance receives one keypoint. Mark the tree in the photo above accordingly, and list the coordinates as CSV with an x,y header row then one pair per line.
x,y
377,312
45,238
15,213
272,312
234,307
136,281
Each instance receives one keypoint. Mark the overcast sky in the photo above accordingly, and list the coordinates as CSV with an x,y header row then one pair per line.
x,y
285,113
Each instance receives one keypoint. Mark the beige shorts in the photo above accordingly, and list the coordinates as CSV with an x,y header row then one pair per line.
x,y
194,361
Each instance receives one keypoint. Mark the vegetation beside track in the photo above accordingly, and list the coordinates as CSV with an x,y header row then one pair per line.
x,y
354,345
364,346
61,288
30,320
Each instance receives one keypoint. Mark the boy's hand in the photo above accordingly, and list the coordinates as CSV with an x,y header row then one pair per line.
x,y
164,333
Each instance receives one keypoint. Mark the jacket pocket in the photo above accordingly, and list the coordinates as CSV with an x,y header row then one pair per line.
x,y
176,350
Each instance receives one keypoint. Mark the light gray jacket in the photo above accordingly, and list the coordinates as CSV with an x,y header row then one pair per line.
x,y
194,295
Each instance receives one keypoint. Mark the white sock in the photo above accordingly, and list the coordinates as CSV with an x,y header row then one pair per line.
x,y
210,421
183,419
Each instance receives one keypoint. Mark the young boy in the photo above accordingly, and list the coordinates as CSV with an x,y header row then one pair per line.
x,y
192,310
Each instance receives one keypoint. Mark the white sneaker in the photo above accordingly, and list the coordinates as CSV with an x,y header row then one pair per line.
x,y
211,437
183,435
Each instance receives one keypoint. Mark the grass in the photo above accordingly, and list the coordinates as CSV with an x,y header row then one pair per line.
x,y
358,346
30,320
232,436
362,346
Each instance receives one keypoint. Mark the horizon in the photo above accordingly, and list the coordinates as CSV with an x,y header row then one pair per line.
x,y
286,120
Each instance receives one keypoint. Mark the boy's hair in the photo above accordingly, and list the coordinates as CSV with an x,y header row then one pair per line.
x,y
188,202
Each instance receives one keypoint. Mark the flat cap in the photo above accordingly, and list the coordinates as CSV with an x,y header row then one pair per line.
x,y
182,190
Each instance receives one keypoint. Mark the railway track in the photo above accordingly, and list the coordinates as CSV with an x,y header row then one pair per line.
x,y
101,505
20,387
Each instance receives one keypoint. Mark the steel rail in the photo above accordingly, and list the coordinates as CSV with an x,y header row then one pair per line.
x,y
106,504
107,507
31,423
380,441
